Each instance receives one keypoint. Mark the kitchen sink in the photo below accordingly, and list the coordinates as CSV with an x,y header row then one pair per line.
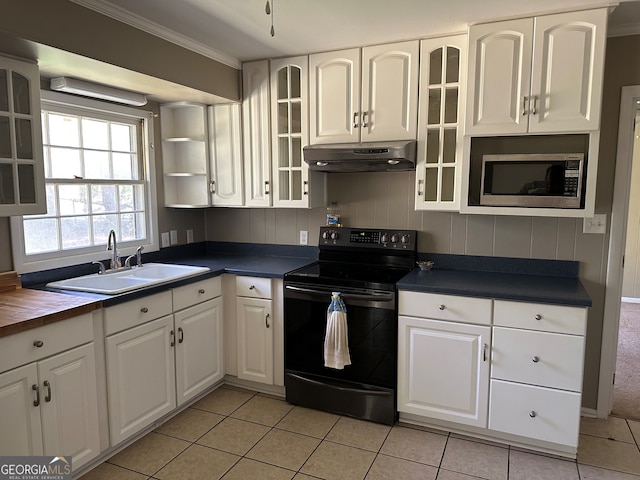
x,y
121,281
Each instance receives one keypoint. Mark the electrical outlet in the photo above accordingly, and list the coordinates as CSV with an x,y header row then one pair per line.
x,y
165,239
190,235
174,237
596,224
304,237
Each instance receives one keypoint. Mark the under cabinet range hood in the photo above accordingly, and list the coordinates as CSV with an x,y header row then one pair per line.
x,y
362,157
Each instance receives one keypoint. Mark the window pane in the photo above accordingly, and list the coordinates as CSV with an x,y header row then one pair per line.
x,y
433,114
283,151
26,183
4,92
435,67
40,235
65,163
21,97
431,185
103,198
63,130
127,200
75,232
295,82
448,184
129,223
73,199
102,225
95,134
7,190
123,167
139,197
453,64
283,83
96,165
5,138
24,144
283,118
451,105
52,202
449,146
433,145
122,137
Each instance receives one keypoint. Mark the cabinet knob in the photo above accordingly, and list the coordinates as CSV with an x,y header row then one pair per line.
x,y
252,287
201,291
538,316
38,343
533,414
535,359
441,307
144,310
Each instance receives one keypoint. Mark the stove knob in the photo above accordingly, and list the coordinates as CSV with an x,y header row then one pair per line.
x,y
394,238
405,239
325,235
334,235
385,238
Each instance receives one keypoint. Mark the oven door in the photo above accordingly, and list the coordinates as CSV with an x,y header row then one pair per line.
x,y
364,389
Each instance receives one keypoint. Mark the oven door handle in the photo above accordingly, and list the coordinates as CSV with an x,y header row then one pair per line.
x,y
338,387
347,296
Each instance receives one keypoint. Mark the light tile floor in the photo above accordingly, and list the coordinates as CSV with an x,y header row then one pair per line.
x,y
234,434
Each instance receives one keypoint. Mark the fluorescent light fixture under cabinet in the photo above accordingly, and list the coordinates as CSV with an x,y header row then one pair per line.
x,y
94,90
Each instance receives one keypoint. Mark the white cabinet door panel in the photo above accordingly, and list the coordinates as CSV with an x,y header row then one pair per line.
x,y
535,412
255,339
443,370
19,417
225,149
69,403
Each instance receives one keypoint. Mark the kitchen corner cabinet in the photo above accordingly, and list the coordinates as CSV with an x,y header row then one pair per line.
x,y
49,404
185,154
536,75
156,360
22,188
443,361
256,133
294,185
364,95
225,150
440,123
255,326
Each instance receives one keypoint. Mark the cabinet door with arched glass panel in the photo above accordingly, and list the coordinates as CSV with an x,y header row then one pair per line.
x,y
293,184
22,189
440,123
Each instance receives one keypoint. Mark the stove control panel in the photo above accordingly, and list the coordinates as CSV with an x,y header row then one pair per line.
x,y
367,238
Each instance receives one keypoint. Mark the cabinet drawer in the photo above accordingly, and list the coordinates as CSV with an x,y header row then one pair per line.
x,y
256,287
445,307
538,316
540,358
535,412
20,348
197,292
136,312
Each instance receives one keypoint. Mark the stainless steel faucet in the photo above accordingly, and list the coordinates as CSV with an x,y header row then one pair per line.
x,y
113,248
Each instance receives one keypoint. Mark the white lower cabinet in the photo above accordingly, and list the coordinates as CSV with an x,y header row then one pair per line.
x,y
49,406
161,359
511,371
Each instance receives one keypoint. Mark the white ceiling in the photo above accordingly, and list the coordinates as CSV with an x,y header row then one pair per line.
x,y
233,31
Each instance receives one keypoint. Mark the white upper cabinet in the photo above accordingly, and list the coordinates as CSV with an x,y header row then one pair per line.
x,y
540,74
256,134
440,124
364,95
293,184
225,149
22,189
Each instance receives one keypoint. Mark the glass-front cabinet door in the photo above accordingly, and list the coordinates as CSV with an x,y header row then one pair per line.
x,y
292,184
440,131
22,189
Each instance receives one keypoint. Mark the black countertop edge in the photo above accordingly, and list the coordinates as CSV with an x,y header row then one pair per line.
x,y
504,286
525,266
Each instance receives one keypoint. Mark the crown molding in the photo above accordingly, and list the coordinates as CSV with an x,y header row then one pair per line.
x,y
141,23
623,30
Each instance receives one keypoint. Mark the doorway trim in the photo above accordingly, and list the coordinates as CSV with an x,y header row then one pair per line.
x,y
617,236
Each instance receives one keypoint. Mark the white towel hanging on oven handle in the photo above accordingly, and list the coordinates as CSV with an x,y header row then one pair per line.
x,y
336,340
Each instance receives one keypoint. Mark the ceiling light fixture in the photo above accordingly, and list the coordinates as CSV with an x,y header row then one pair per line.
x,y
269,9
94,90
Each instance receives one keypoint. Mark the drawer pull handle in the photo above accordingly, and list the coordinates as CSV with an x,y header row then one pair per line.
x,y
173,338
538,316
36,389
266,320
201,291
181,337
38,343
484,352
535,359
252,287
47,397
144,310
533,414
441,307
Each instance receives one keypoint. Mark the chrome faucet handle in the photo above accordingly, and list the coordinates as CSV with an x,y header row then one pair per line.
x,y
127,262
139,255
100,266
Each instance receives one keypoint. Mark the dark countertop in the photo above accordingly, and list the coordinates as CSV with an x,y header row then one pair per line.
x,y
562,290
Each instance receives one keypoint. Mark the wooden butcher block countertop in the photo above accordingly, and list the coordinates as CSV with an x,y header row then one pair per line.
x,y
22,308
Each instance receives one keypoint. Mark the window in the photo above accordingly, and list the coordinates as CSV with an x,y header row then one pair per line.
x,y
97,179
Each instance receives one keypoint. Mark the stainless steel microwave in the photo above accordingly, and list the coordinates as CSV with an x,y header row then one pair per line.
x,y
533,180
